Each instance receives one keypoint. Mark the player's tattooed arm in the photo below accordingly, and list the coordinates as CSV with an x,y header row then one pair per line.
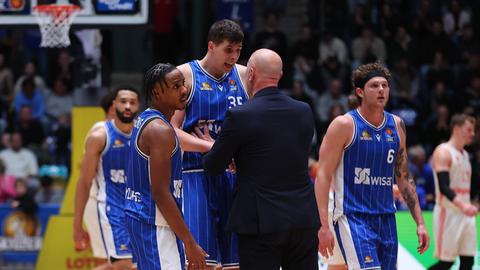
x,y
407,188
405,180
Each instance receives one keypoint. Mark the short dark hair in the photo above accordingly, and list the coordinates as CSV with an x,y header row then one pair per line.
x,y
107,101
154,75
225,29
124,87
460,119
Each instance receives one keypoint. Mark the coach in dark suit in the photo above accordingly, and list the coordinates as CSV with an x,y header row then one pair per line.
x,y
274,210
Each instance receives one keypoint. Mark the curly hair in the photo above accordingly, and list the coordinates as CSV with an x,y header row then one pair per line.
x,y
364,73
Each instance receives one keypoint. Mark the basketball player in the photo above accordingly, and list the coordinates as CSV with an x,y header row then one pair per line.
x,y
215,84
90,214
364,151
454,215
154,187
106,149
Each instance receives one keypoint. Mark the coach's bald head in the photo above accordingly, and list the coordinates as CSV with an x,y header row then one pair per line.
x,y
264,70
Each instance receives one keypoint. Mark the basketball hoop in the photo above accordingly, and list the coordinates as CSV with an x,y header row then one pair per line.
x,y
55,21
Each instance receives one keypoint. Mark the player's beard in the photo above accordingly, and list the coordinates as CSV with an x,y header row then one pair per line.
x,y
125,119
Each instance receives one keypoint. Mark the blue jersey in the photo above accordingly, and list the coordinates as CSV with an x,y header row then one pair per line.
x,y
208,103
111,168
365,175
139,203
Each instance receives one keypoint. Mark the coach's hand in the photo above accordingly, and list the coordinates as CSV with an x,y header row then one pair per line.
x,y
195,256
326,241
423,239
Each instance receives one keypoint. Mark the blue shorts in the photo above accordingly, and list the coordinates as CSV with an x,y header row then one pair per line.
x,y
112,229
206,204
154,247
368,241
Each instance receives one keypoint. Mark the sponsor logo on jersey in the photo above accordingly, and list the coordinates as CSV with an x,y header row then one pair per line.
x,y
363,177
177,189
233,84
389,135
123,247
206,86
365,136
368,259
118,176
133,195
118,143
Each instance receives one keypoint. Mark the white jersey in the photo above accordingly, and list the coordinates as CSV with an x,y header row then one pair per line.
x,y
460,177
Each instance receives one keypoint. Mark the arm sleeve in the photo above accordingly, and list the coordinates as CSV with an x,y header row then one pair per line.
x,y
444,184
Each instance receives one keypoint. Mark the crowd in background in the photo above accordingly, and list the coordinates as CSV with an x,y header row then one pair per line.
x,y
431,47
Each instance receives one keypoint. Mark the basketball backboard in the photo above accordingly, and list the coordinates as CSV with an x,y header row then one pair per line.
x,y
93,12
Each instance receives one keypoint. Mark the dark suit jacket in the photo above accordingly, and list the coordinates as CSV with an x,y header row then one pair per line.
x,y
270,139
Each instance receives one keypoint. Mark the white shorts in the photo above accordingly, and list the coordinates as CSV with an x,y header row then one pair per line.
x,y
90,218
455,234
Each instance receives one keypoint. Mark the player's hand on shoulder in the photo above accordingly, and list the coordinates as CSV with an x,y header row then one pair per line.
x,y
195,256
423,239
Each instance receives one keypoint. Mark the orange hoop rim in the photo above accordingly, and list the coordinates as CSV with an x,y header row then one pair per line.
x,y
55,9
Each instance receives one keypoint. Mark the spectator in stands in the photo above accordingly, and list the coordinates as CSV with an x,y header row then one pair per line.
x,y
467,44
404,82
61,136
332,46
332,69
62,69
48,193
436,128
358,20
440,71
330,98
32,97
7,184
436,41
389,20
422,173
58,101
368,48
306,45
455,18
271,37
472,93
6,80
298,92
31,129
24,201
402,46
30,71
20,162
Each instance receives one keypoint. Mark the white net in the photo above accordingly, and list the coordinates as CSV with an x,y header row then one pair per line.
x,y
55,22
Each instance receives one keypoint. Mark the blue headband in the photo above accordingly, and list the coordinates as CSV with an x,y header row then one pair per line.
x,y
371,74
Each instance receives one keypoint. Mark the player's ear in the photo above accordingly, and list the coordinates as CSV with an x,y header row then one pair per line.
x,y
211,45
359,92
